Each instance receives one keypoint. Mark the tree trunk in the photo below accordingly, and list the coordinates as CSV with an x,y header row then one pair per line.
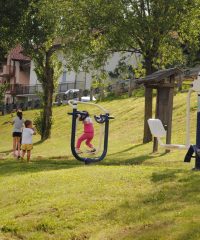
x,y
147,137
91,94
147,114
148,65
48,89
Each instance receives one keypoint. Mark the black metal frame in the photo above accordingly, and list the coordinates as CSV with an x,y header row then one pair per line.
x,y
195,149
104,119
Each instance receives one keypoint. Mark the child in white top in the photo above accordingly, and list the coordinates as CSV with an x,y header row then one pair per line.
x,y
27,143
18,123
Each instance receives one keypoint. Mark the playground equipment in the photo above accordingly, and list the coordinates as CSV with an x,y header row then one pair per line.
x,y
163,83
102,119
195,149
157,129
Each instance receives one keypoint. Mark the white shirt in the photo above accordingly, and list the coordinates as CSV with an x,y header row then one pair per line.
x,y
88,120
27,134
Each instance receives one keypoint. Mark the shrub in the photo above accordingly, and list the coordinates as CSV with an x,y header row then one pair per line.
x,y
38,122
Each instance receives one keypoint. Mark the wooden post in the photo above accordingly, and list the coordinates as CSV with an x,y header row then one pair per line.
x,y
155,141
91,94
180,82
101,93
148,114
117,89
32,104
3,109
80,94
131,87
164,108
169,119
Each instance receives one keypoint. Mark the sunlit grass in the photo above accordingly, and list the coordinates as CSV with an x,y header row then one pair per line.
x,y
132,194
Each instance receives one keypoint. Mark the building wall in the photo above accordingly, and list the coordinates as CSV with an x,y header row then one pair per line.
x,y
67,76
24,78
17,72
71,77
33,77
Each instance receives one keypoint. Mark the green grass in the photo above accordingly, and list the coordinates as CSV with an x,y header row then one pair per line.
x,y
132,194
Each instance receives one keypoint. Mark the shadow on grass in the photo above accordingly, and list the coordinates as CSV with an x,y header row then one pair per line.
x,y
6,152
137,160
38,142
11,167
129,161
127,149
164,176
174,191
10,151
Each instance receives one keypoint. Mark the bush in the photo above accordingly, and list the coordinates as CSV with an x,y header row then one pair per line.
x,y
38,122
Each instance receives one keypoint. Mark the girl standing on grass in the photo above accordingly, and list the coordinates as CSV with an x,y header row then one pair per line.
x,y
17,122
88,133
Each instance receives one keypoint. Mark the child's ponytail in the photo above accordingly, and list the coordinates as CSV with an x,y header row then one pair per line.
x,y
19,114
84,115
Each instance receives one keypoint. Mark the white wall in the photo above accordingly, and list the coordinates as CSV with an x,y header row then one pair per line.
x,y
70,77
86,77
113,61
33,77
17,70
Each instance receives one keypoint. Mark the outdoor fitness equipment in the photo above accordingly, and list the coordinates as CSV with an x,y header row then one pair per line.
x,y
195,149
102,119
158,130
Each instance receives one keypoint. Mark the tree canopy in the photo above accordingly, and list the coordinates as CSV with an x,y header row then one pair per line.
x,y
154,28
48,33
11,14
88,31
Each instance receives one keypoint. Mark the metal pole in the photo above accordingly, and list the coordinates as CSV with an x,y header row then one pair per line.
x,y
194,148
197,155
73,136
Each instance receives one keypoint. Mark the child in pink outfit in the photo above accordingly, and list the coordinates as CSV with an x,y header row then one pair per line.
x,y
88,133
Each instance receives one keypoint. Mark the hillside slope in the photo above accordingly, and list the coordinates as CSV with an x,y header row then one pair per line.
x,y
126,131
132,194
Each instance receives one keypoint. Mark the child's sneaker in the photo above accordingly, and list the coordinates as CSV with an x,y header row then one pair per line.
x,y
78,151
93,150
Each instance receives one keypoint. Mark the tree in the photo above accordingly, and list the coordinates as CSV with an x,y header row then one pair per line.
x,y
39,40
148,27
11,14
49,29
189,34
3,88
89,31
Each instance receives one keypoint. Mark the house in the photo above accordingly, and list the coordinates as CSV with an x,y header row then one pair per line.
x,y
18,71
15,70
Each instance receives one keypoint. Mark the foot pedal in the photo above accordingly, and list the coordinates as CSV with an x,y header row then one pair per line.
x,y
189,154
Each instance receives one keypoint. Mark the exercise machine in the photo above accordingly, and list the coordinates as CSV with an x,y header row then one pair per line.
x,y
193,151
103,119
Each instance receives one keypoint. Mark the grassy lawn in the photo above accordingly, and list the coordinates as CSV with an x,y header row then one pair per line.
x,y
132,194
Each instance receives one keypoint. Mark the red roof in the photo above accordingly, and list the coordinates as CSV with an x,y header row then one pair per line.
x,y
17,54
